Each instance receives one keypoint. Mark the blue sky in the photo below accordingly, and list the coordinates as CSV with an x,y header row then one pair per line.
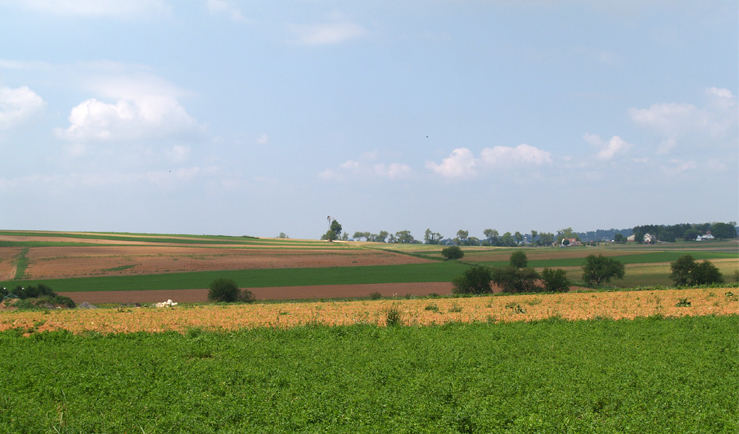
x,y
260,117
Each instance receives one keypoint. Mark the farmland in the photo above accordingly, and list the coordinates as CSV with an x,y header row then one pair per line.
x,y
628,361
73,263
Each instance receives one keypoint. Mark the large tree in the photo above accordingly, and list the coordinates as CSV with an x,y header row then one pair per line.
x,y
599,269
475,280
687,272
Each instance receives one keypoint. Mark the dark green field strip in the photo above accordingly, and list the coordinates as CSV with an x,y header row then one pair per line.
x,y
406,273
638,258
649,375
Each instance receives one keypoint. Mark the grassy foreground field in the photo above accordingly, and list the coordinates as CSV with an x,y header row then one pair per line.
x,y
677,375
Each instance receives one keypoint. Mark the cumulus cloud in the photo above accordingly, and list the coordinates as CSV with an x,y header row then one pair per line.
x,y
18,106
143,107
226,7
100,8
608,150
338,30
366,167
677,123
462,163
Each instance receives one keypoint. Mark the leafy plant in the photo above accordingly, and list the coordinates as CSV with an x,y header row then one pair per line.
x,y
555,280
224,290
475,280
375,296
599,269
683,302
393,316
452,252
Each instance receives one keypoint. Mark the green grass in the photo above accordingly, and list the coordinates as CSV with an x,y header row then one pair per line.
x,y
21,262
406,273
601,376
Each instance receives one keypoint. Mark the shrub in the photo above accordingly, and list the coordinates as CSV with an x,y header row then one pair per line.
x,y
687,272
452,252
475,280
393,317
518,259
515,280
555,280
599,269
246,296
375,295
223,290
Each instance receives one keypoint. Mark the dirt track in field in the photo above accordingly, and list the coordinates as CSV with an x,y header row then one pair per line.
x,y
275,293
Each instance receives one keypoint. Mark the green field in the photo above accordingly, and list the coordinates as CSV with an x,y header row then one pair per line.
x,y
600,376
406,273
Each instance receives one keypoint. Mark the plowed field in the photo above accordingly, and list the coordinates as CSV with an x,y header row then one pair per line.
x,y
572,306
61,262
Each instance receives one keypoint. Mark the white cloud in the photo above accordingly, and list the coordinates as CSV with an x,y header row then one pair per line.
x,y
522,154
227,7
463,164
367,168
178,154
460,164
18,106
340,30
608,150
99,8
144,107
678,123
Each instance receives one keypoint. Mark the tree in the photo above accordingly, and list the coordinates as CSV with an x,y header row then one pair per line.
x,y
380,238
452,252
546,238
723,230
223,289
507,240
282,235
462,236
687,272
555,280
518,259
431,237
491,235
329,235
336,227
534,234
690,234
515,280
518,237
619,239
404,237
475,280
599,269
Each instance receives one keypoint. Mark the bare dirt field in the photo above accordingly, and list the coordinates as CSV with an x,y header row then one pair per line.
x,y
492,309
84,261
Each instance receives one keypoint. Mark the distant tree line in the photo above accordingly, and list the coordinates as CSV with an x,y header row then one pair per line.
x,y
491,237
685,231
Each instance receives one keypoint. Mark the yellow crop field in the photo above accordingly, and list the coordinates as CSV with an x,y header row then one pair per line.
x,y
414,312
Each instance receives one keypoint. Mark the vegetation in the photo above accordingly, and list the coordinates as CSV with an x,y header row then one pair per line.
x,y
452,252
518,259
516,280
475,280
41,296
599,269
597,376
687,272
226,290
555,280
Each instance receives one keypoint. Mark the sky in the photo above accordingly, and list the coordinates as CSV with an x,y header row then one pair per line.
x,y
258,117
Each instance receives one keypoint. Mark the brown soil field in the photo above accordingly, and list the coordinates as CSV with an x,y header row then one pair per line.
x,y
7,265
493,309
84,261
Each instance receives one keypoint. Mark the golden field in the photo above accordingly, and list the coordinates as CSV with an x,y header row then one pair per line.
x,y
414,312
